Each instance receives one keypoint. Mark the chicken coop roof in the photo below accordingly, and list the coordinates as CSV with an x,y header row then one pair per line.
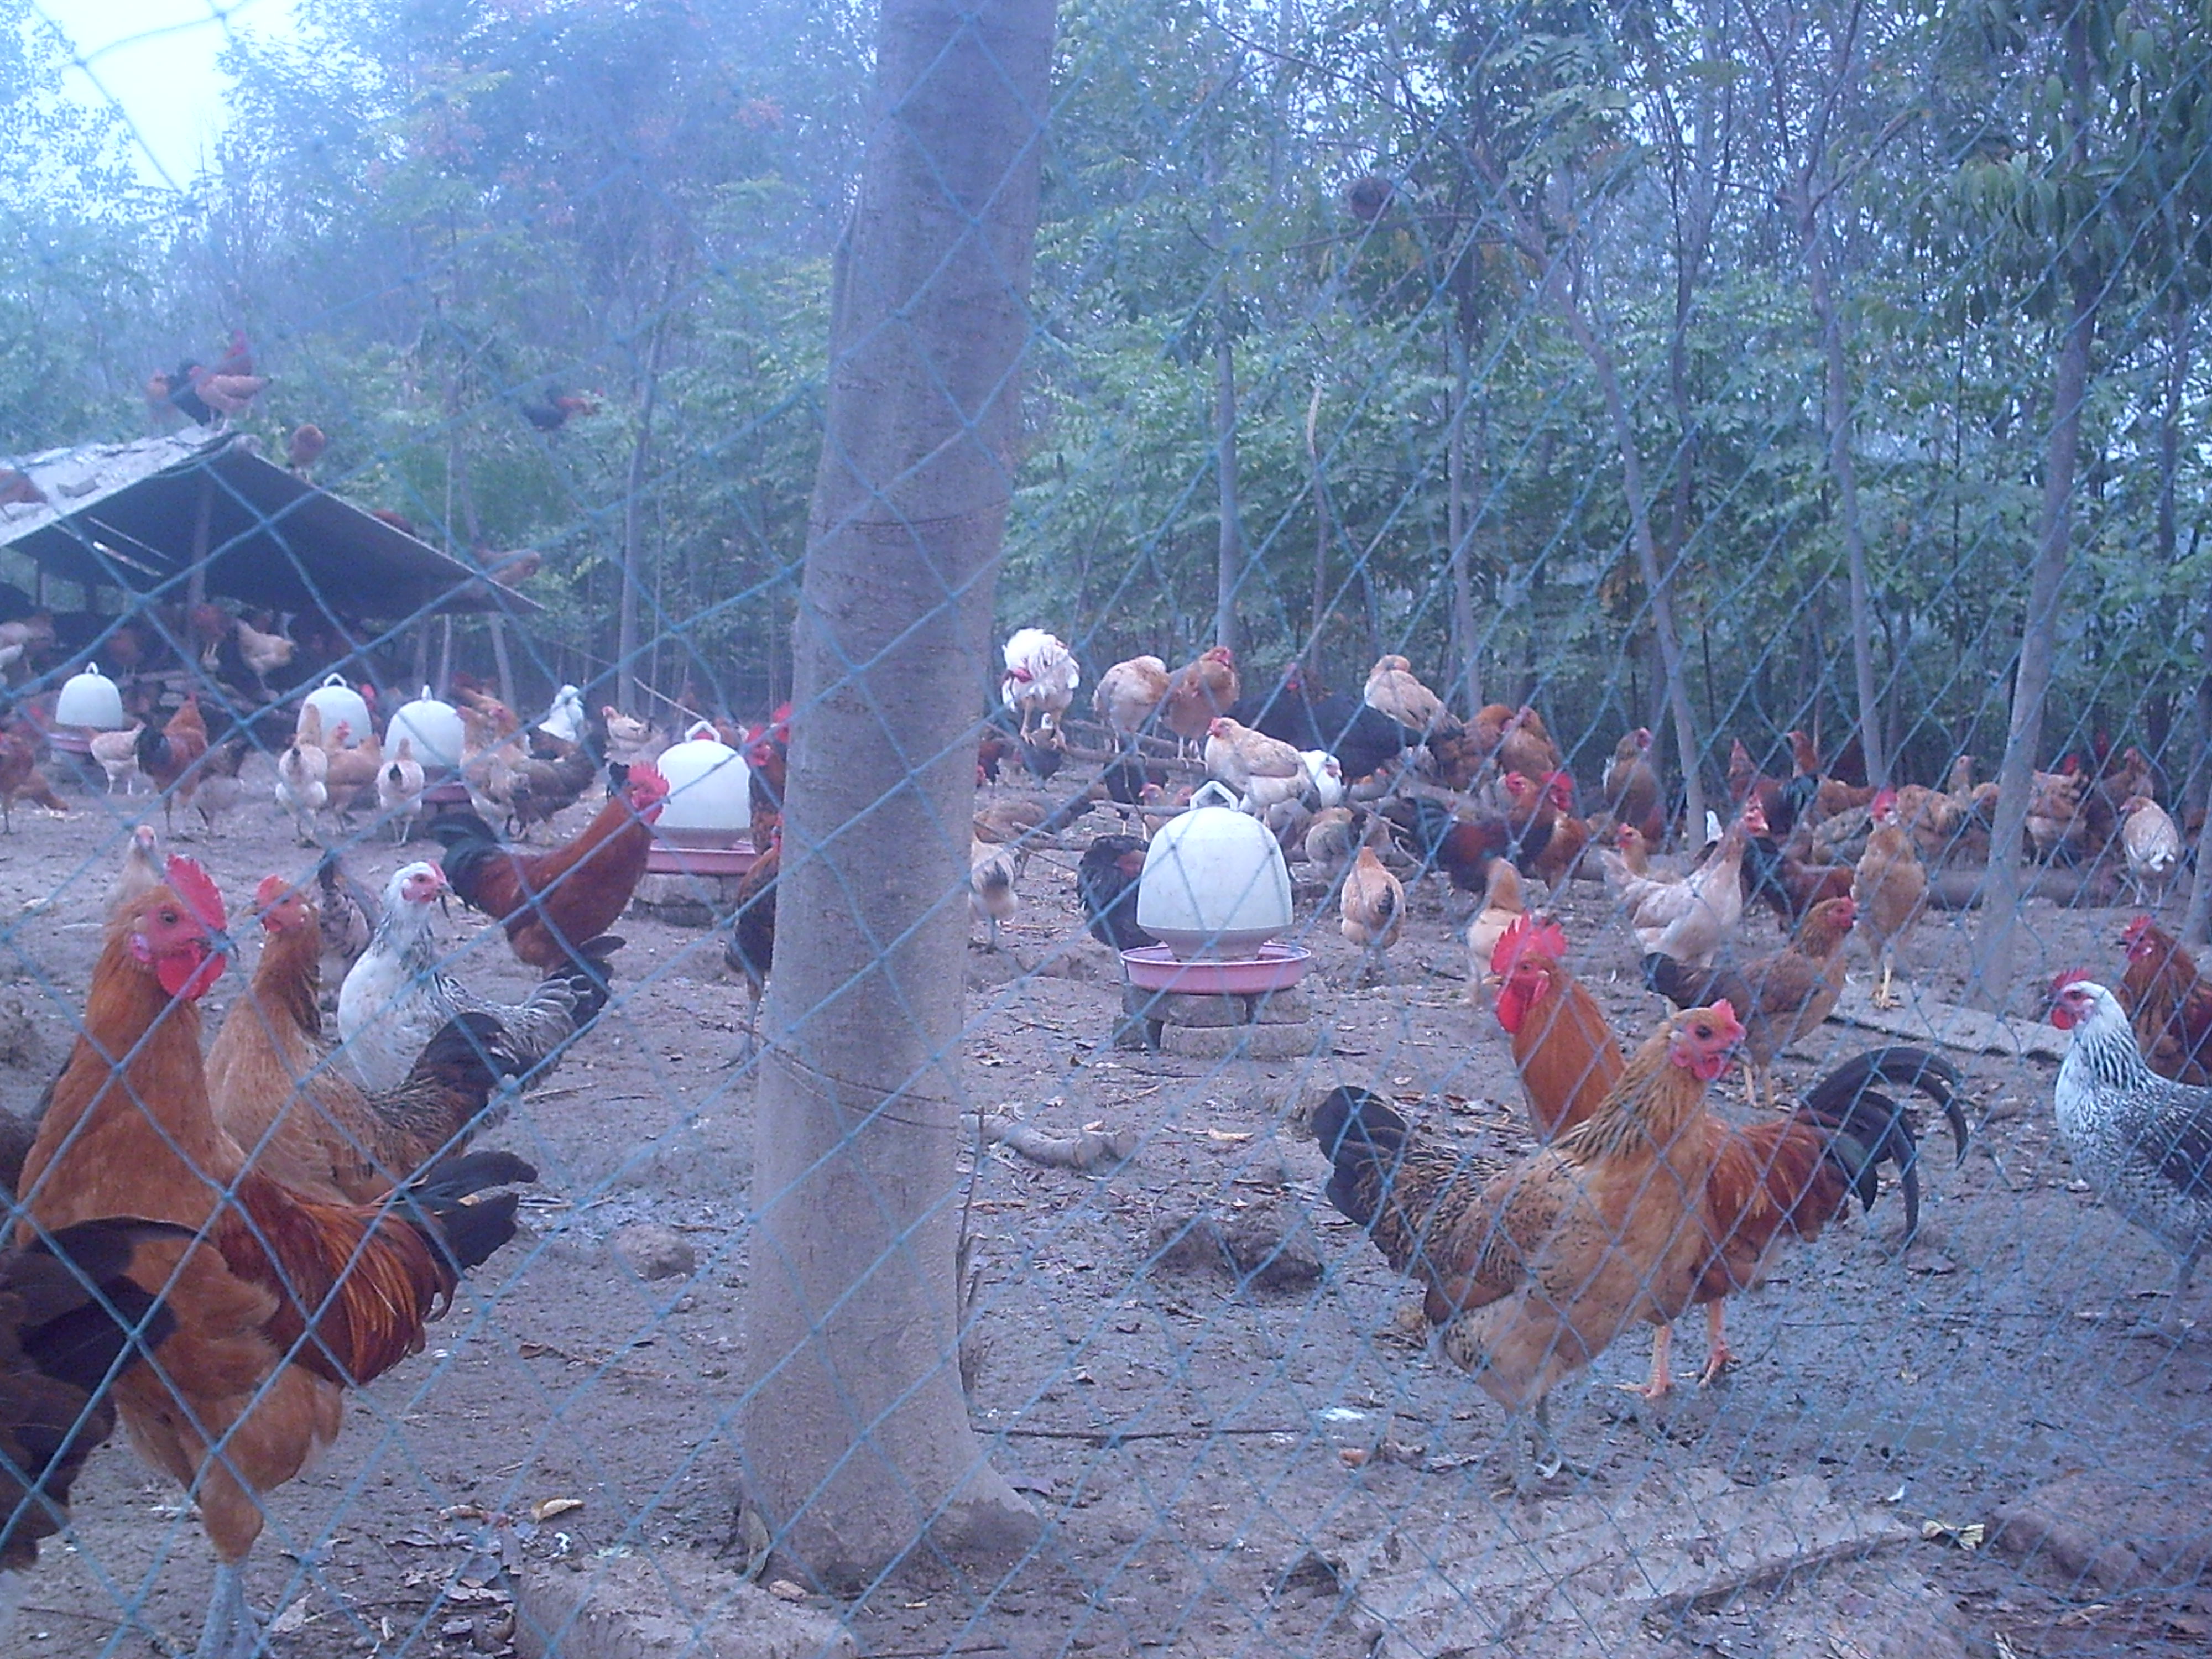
x,y
130,515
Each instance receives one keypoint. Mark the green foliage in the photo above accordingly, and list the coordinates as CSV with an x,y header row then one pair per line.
x,y
429,213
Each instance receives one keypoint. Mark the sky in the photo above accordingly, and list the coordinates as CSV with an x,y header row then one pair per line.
x,y
156,60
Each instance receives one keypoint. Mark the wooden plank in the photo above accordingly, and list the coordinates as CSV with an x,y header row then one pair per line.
x,y
1925,1019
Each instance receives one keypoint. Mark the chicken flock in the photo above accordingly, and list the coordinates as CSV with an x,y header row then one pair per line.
x,y
1643,1202
217,1241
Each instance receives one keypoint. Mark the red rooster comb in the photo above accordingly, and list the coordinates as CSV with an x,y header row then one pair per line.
x,y
2137,931
271,892
1535,935
2071,976
190,882
647,787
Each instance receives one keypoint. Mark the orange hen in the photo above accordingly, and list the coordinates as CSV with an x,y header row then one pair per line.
x,y
282,1302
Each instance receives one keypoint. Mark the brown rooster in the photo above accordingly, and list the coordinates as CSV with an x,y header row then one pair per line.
x,y
169,755
2168,1003
280,1303
1649,1207
550,903
1781,996
1532,1272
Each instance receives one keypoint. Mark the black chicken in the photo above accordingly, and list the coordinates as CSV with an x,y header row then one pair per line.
x,y
1106,881
1363,739
68,1310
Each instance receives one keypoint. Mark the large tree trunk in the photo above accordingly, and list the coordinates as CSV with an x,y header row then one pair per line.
x,y
1992,972
633,559
1991,983
1843,466
1228,569
1658,584
855,1428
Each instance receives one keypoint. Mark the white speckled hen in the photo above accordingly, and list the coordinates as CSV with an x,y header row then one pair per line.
x,y
2144,1143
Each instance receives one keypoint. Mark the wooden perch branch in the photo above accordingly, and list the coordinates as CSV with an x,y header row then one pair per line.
x,y
1090,1151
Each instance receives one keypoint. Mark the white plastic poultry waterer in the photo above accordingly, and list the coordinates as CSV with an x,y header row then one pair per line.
x,y
434,729
338,704
1215,886
709,791
90,699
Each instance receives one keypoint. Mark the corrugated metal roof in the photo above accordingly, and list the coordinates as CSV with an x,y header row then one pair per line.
x,y
129,516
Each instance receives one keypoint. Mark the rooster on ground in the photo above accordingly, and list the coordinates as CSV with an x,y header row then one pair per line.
x,y
551,902
282,1303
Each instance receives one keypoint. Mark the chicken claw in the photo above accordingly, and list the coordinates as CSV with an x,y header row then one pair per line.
x,y
1662,1382
1719,1357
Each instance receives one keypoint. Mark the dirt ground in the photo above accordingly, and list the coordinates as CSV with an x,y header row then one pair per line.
x,y
1181,1429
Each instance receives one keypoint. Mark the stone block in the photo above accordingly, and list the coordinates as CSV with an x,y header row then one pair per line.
x,y
1240,1042
673,1606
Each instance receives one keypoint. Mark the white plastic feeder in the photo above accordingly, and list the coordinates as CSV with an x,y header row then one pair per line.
x,y
1215,887
434,729
339,704
90,699
709,798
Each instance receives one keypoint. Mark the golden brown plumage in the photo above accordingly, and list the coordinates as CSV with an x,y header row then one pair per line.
x,y
1889,887
1631,787
286,1297
1563,1048
1650,1206
1372,905
305,1122
1533,1272
2168,1003
1780,997
1199,693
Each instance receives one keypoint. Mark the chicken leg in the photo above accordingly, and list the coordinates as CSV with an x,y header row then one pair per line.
x,y
1718,1355
1661,1380
233,1629
1883,997
2170,1326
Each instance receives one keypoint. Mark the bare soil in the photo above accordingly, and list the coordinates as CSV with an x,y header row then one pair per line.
x,y
1183,1427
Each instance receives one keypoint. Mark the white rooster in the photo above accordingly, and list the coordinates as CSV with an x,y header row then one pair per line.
x,y
1040,680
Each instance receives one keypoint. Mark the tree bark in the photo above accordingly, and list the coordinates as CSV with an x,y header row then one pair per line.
x,y
1991,983
1468,668
854,1426
1843,466
1312,652
1658,584
626,684
1229,568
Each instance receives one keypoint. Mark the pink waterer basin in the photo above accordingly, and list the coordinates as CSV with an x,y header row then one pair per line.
x,y
1277,968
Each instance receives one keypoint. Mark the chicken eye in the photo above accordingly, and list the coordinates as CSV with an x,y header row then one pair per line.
x,y
168,918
